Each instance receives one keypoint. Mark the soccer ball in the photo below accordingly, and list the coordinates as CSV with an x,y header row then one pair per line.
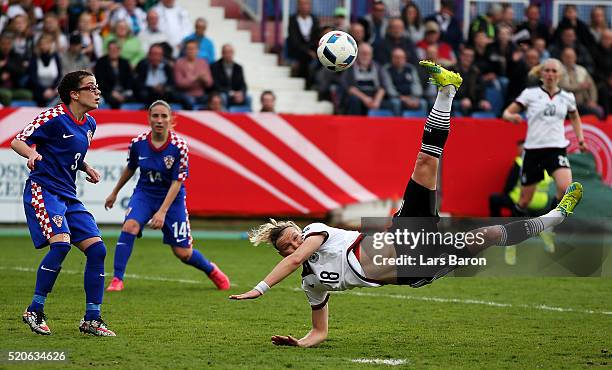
x,y
337,50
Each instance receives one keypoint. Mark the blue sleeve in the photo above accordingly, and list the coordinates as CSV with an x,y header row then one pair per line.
x,y
132,159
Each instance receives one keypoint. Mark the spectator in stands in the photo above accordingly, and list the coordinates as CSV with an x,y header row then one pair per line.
x,y
173,21
486,22
26,7
569,40
603,71
539,43
507,17
446,55
598,22
206,48
114,76
23,44
519,77
130,44
411,15
375,23
12,72
430,91
154,78
570,20
100,16
228,78
45,71
73,59
51,27
533,26
340,22
449,24
358,32
395,38
486,67
302,39
215,102
501,51
470,96
268,101
152,34
60,9
365,84
92,41
132,14
577,80
192,76
405,88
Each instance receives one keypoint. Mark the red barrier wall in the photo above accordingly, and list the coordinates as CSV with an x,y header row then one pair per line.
x,y
267,164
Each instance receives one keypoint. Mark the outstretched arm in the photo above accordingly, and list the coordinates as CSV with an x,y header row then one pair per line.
x,y
285,267
126,175
20,147
316,335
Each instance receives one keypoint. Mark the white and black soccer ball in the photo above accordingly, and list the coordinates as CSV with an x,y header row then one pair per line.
x,y
337,50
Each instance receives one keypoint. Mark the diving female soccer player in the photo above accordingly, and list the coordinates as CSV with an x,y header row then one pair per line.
x,y
546,107
159,197
55,216
336,259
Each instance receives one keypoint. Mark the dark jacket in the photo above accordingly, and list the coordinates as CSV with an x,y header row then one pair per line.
x,y
15,66
297,45
109,81
141,76
383,49
453,34
222,83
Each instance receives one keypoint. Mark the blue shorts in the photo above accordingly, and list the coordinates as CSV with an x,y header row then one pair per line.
x,y
176,229
48,214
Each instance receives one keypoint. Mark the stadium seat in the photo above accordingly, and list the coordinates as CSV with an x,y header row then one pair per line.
x,y
483,114
23,103
496,98
419,113
239,109
380,113
175,107
132,106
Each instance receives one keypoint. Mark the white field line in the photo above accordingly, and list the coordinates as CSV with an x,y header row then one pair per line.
x,y
379,361
131,276
541,307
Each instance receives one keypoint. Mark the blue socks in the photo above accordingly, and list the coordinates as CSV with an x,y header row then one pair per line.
x,y
47,273
200,262
94,279
125,244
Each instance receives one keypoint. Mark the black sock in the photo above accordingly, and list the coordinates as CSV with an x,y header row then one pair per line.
x,y
435,132
519,231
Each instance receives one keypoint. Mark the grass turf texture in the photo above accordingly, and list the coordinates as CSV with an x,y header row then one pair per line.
x,y
189,324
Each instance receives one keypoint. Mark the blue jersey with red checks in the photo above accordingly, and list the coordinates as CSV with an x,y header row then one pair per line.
x,y
159,166
62,141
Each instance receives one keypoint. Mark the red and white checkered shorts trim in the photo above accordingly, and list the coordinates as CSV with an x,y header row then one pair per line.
x,y
41,212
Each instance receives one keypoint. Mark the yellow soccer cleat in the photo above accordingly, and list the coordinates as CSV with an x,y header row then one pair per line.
x,y
441,76
573,195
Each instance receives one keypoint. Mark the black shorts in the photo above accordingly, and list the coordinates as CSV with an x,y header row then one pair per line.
x,y
536,161
418,212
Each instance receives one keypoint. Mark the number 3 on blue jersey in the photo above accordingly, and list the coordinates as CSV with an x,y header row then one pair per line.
x,y
75,166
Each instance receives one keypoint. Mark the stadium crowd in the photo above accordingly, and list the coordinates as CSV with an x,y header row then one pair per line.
x,y
144,50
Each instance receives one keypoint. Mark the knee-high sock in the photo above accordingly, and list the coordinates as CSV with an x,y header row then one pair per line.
x,y
47,273
519,231
94,279
438,123
200,262
123,251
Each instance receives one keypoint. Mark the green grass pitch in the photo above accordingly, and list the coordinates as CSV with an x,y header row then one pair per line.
x,y
170,316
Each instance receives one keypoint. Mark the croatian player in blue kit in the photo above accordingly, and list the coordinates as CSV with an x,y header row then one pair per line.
x,y
159,197
55,216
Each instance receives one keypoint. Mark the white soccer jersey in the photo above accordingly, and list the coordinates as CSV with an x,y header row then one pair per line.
x,y
331,266
545,117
